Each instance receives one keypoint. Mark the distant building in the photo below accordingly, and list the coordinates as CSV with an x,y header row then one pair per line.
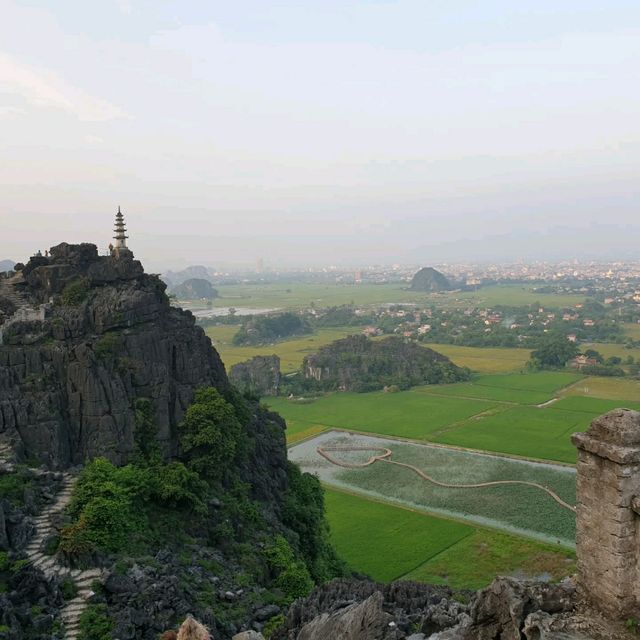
x,y
581,361
572,337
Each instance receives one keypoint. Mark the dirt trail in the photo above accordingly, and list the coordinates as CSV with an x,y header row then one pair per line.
x,y
384,455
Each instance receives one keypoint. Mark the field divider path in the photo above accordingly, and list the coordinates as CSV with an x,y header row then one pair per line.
x,y
385,454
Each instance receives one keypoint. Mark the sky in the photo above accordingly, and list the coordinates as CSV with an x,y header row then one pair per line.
x,y
322,132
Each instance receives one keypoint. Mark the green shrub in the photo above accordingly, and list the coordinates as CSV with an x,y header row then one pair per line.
x,y
4,561
95,623
210,433
19,565
107,346
75,293
52,546
304,514
279,554
76,540
295,581
13,485
293,578
69,589
272,626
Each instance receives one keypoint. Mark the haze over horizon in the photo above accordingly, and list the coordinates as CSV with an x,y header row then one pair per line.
x,y
322,132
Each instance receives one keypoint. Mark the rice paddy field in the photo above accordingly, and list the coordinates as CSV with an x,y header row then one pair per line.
x,y
498,413
632,330
297,296
433,549
409,414
484,360
291,352
519,509
618,389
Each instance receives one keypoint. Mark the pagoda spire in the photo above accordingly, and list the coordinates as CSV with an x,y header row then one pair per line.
x,y
121,237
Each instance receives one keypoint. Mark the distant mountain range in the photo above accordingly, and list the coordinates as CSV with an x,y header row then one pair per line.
x,y
194,289
175,278
6,265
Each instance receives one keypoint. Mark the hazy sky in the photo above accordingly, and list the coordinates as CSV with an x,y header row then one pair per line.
x,y
322,131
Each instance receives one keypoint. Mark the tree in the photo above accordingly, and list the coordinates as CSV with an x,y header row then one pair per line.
x,y
210,434
553,353
594,355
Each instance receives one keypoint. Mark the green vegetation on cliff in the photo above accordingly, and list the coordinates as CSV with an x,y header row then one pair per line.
x,y
201,497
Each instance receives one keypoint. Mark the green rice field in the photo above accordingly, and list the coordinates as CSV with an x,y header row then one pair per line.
x,y
296,296
408,414
485,359
618,389
520,388
431,549
499,414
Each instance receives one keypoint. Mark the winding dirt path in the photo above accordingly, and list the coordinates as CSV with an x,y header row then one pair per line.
x,y
384,455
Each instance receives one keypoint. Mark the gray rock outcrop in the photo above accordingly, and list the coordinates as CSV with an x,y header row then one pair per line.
x,y
260,375
68,384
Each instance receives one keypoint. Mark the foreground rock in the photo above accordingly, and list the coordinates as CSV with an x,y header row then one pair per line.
x,y
506,610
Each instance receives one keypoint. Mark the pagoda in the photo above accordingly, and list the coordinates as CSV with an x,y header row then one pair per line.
x,y
120,248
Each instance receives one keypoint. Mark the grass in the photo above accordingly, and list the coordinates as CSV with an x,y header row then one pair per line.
x,y
408,414
474,561
632,330
484,360
516,295
608,388
478,415
531,432
291,352
608,349
521,388
364,533
434,550
297,296
592,407
300,431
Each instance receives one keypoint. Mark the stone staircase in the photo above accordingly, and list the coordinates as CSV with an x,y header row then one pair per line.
x,y
8,291
50,566
7,462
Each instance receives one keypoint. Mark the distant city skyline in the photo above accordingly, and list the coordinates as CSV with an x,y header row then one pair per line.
x,y
322,132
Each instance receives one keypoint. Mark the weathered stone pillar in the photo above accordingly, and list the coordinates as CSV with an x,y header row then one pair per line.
x,y
608,524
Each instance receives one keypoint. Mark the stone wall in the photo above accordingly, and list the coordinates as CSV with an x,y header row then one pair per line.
x,y
608,525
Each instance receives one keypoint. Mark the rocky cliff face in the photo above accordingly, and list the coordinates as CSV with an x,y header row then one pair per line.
x,y
356,363
68,383
260,375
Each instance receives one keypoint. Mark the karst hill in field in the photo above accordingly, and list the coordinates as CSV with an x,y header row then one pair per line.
x,y
430,281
